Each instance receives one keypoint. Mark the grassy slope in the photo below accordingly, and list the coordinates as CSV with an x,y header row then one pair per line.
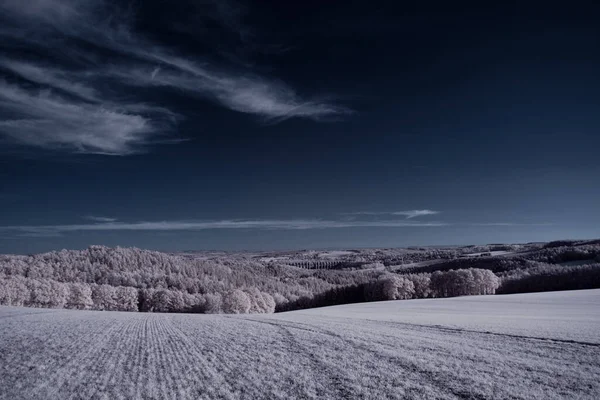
x,y
339,352
567,315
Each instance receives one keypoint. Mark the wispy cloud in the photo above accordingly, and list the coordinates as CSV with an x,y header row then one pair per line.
x,y
291,224
99,219
84,115
108,224
250,94
409,214
415,213
510,224
50,76
42,118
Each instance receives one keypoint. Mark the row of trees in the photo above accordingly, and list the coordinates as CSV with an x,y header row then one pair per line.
x,y
20,291
189,274
465,282
536,258
555,254
101,278
550,278
46,293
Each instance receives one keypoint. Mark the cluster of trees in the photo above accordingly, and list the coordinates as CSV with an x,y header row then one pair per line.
x,y
556,254
169,282
494,264
130,279
48,293
354,259
464,282
547,278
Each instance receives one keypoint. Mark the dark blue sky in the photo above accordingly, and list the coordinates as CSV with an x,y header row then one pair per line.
x,y
269,125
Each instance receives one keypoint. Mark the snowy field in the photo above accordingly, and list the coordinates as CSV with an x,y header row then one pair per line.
x,y
532,346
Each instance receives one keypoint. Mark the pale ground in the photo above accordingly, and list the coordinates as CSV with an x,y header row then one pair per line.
x,y
538,346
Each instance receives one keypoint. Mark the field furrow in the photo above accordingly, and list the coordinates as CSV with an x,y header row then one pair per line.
x,y
110,355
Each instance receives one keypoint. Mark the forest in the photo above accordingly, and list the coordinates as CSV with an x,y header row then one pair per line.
x,y
131,279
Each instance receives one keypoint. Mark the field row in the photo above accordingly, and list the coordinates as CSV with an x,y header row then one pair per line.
x,y
61,354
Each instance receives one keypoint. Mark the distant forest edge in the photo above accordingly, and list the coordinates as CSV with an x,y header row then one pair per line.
x,y
130,279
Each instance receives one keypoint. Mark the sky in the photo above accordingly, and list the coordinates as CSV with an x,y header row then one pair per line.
x,y
223,125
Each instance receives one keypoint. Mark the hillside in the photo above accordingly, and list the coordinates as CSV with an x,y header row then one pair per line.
x,y
131,279
513,346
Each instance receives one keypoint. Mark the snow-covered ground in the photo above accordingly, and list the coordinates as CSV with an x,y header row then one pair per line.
x,y
490,253
569,315
533,346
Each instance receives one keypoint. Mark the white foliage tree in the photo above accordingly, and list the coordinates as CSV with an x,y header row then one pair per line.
x,y
279,299
260,302
46,293
397,288
213,303
126,299
80,296
13,291
236,302
103,297
422,284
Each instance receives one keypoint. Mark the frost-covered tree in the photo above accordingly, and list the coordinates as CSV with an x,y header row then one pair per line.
x,y
13,291
269,303
422,285
260,302
279,299
80,296
46,293
490,282
103,297
176,301
160,301
193,303
146,300
236,302
464,282
396,288
389,287
126,299
213,303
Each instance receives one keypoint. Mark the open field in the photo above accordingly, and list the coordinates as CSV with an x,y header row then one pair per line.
x,y
532,346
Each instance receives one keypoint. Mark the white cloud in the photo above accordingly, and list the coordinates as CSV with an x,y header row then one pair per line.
x,y
111,224
44,119
51,77
100,219
94,123
510,224
408,214
292,224
415,213
54,12
248,94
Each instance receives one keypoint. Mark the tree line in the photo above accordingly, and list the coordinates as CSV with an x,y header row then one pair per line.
x,y
464,282
48,293
119,279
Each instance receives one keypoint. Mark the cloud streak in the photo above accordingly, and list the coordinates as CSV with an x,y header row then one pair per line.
x,y
84,115
409,214
107,224
44,119
46,75
100,219
291,224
